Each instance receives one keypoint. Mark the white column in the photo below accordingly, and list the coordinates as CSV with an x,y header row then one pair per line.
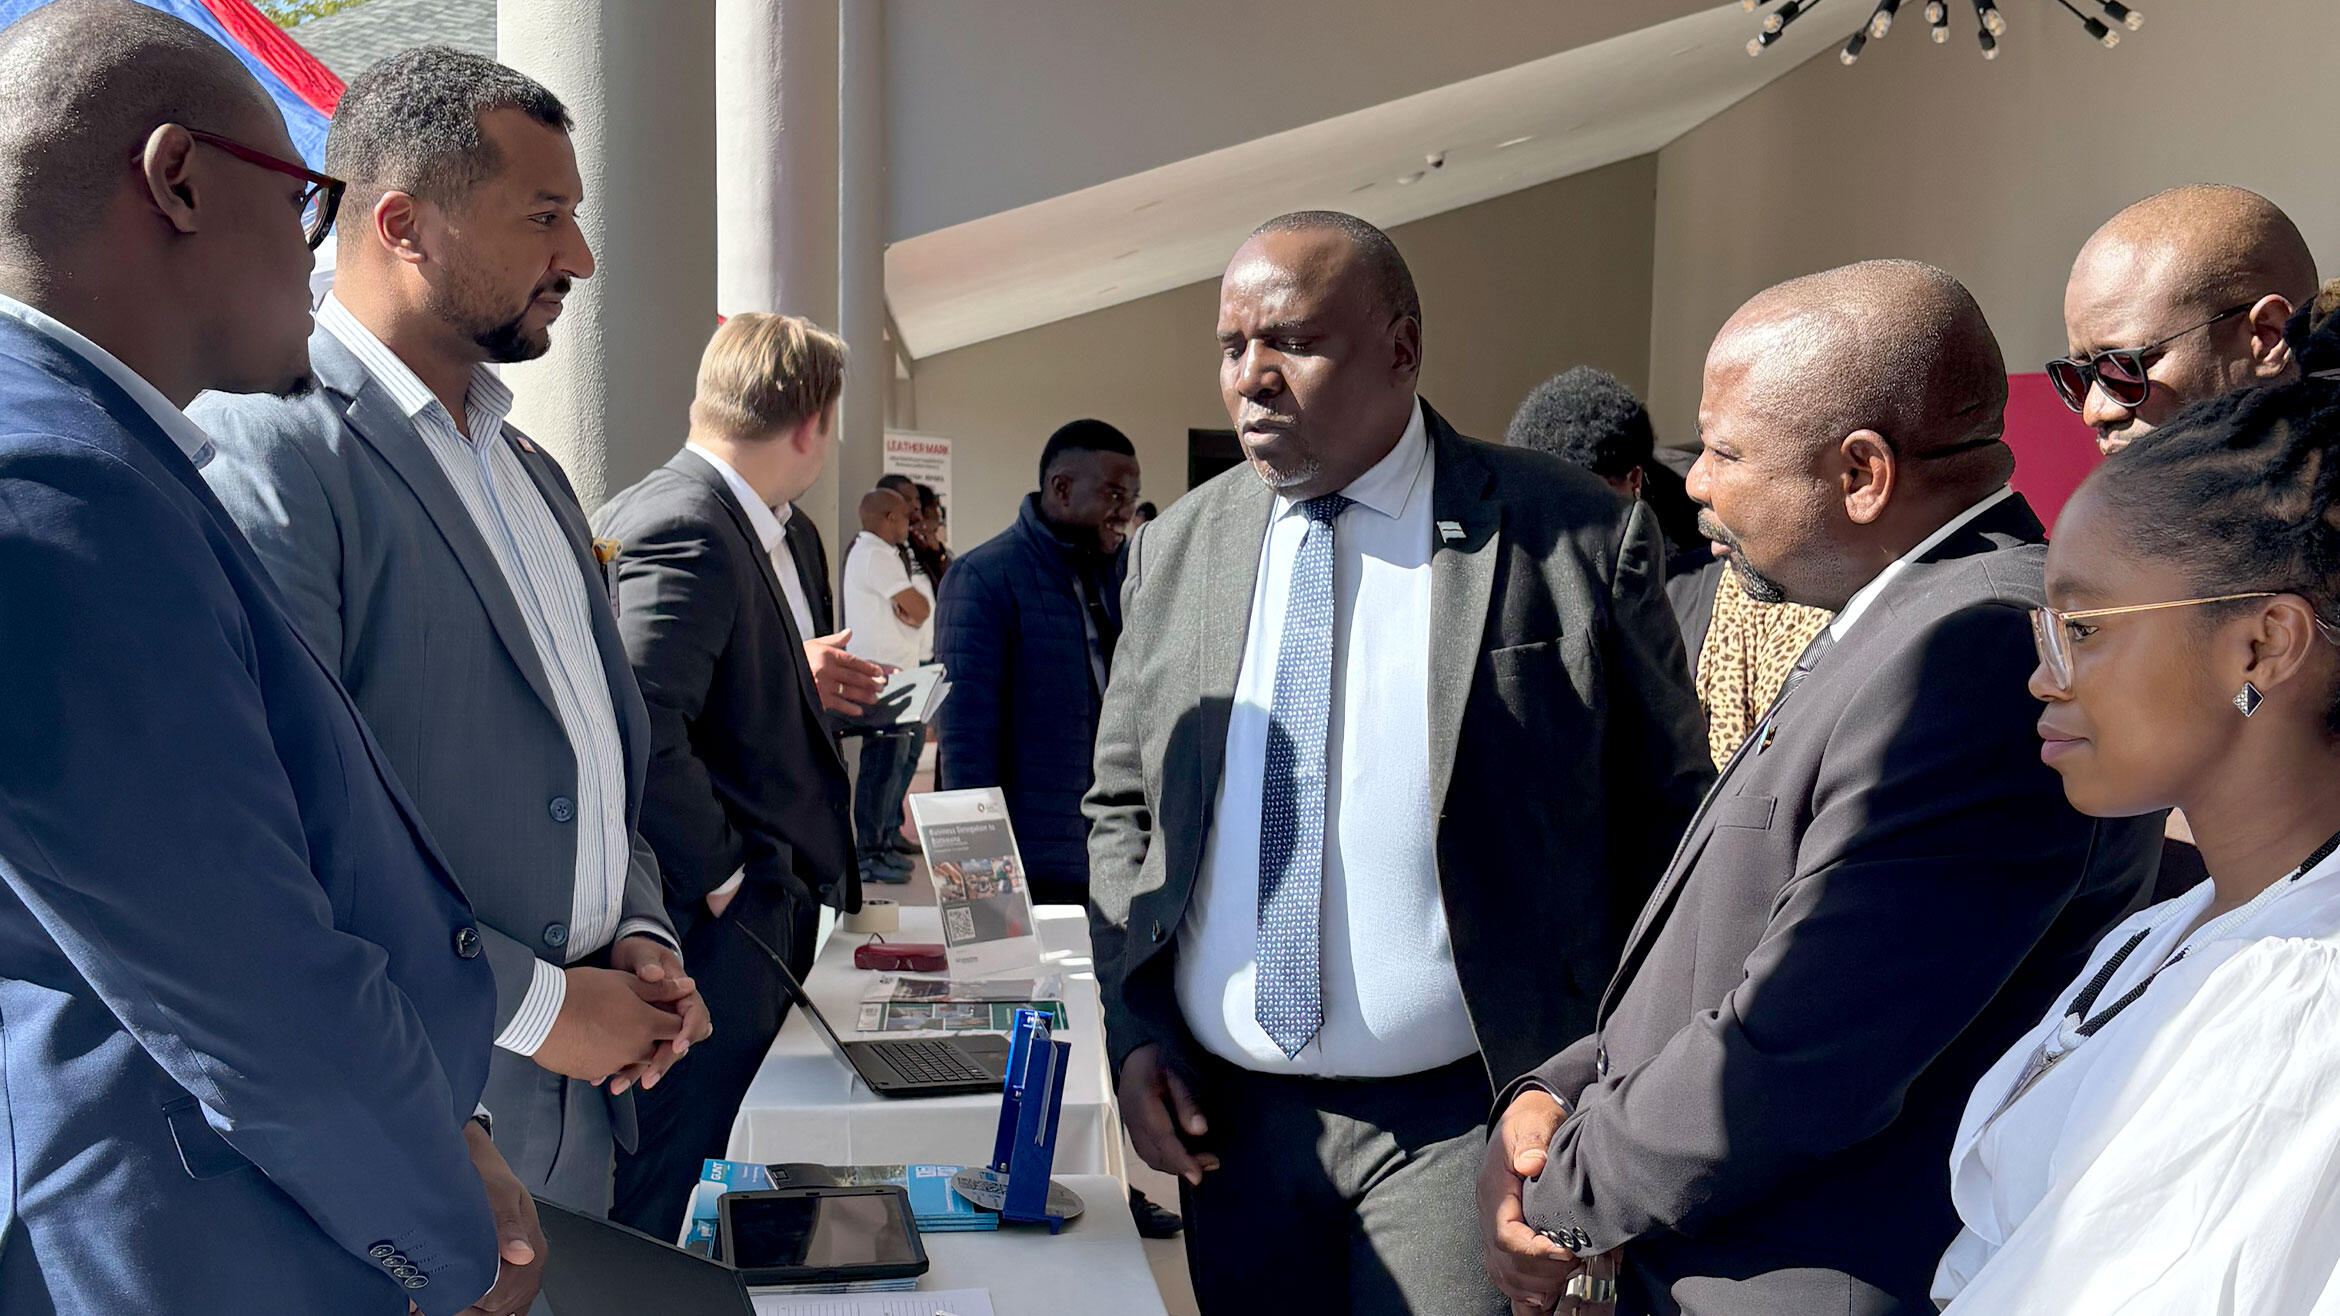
x,y
612,398
776,176
861,242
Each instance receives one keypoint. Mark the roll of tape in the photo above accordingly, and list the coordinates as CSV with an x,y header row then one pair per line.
x,y
875,916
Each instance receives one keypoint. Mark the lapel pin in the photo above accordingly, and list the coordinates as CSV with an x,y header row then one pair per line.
x,y
1449,531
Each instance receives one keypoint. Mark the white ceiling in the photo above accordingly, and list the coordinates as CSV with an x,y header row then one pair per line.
x,y
1171,225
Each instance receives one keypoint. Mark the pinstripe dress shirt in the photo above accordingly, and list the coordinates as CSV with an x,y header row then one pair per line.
x,y
546,581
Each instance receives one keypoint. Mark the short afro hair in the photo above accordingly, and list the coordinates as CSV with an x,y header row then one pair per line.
x,y
410,123
1082,436
1587,418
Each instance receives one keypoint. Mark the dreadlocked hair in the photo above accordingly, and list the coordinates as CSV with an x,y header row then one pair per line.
x,y
2315,332
2242,493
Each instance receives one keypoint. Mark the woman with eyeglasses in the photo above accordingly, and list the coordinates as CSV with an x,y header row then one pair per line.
x,y
2167,1140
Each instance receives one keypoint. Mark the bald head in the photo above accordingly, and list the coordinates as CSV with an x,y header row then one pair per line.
x,y
82,85
885,514
2204,276
1894,346
2201,248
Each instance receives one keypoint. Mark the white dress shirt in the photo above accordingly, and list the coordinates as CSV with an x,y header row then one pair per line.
x,y
184,432
1393,1003
771,526
543,573
2184,1160
1867,594
874,574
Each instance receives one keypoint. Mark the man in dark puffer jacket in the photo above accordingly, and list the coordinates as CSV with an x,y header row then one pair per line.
x,y
1027,625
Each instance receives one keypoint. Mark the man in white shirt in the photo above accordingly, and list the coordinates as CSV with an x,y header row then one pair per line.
x,y
886,613
747,802
439,558
1398,728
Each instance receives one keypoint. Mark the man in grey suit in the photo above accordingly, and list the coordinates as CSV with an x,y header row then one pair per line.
x,y
440,560
1398,735
1885,887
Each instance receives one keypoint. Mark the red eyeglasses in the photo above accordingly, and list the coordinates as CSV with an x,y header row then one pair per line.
x,y
319,204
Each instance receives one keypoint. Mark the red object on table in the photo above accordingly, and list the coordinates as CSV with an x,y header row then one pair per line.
x,y
901,957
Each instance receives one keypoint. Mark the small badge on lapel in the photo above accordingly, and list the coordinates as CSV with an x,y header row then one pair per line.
x,y
605,552
1449,531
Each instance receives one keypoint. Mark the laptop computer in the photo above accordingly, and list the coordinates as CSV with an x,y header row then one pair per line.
x,y
904,1066
600,1268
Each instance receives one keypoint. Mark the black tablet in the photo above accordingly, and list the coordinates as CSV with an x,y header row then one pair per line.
x,y
821,1235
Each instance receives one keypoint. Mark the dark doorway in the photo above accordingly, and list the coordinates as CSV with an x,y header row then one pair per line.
x,y
1209,452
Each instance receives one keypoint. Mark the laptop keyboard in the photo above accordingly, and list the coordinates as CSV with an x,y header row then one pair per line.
x,y
933,1062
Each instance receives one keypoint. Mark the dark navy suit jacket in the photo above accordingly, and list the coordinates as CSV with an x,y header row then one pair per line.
x,y
243,1009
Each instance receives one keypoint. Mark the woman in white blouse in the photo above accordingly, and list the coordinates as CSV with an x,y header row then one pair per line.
x,y
2168,1139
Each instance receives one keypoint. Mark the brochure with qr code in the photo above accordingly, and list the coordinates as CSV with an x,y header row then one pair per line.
x,y
987,923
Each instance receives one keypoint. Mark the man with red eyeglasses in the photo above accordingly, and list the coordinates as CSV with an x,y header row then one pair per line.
x,y
2182,296
244,1011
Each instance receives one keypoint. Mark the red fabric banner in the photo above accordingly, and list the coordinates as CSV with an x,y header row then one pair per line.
x,y
299,70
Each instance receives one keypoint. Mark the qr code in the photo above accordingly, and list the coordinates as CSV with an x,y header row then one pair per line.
x,y
958,925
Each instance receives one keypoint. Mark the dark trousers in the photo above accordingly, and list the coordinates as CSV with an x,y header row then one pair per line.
x,y
888,762
1341,1196
687,1118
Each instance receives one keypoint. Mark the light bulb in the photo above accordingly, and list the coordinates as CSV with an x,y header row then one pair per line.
x,y
1852,48
1993,23
1941,34
2110,38
1755,45
1748,5
1773,22
1990,45
1881,24
2126,16
1937,12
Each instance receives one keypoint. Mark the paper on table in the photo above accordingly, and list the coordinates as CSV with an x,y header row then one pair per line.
x,y
956,1302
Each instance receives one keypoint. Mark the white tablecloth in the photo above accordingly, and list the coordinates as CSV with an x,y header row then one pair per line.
x,y
806,1105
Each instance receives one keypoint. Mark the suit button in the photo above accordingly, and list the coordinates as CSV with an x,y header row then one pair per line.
x,y
467,942
556,935
1156,934
562,808
381,1251
1601,1061
393,1261
407,1272
418,1282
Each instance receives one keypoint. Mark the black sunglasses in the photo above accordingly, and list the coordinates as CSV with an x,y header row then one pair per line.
x,y
2120,372
319,204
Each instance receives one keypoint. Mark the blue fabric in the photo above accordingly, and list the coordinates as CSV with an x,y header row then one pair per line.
x,y
888,764
1288,995
239,1031
1022,714
302,122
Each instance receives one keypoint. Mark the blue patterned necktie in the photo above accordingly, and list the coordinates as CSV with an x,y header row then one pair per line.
x,y
1288,994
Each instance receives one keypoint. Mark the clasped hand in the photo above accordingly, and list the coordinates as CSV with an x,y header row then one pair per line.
x,y
628,1023
1530,1269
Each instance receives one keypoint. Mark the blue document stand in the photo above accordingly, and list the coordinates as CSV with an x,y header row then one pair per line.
x,y
1026,1150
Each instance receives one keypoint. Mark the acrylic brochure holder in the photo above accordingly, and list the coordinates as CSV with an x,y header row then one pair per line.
x,y
1016,1183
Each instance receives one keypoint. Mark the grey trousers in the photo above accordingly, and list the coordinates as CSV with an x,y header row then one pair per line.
x,y
1338,1195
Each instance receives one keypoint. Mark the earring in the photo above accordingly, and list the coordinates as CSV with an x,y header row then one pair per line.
x,y
2248,699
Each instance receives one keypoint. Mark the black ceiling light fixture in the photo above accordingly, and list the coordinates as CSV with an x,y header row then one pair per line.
x,y
1989,23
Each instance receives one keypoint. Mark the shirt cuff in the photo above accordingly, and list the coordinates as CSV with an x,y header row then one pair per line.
x,y
645,927
738,879
548,987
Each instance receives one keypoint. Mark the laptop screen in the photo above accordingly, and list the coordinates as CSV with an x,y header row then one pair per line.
x,y
796,989
597,1268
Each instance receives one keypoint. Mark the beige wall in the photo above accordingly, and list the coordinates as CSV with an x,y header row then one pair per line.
x,y
1995,171
1513,290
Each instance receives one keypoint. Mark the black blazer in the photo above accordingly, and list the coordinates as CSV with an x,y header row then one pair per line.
x,y
1566,746
812,569
742,771
1873,902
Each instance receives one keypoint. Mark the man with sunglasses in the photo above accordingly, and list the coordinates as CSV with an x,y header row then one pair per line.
x,y
440,560
246,1014
2180,297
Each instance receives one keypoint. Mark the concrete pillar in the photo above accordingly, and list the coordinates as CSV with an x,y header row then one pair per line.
x,y
612,398
861,242
776,176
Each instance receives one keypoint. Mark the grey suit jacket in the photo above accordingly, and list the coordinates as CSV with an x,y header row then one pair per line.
x,y
386,574
1882,891
1566,746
